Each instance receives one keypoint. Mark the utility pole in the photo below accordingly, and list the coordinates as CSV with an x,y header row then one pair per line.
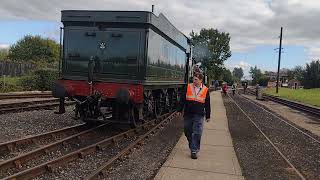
x,y
279,59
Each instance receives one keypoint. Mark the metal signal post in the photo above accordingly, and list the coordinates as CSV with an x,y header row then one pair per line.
x,y
279,59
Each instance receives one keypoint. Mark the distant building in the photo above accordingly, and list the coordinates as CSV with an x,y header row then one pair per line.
x,y
294,84
283,78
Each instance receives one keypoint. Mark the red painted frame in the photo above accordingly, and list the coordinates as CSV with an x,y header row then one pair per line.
x,y
109,90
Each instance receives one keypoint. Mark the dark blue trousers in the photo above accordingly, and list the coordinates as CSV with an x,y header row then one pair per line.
x,y
193,127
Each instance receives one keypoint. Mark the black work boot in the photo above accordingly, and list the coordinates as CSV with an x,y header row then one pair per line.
x,y
194,155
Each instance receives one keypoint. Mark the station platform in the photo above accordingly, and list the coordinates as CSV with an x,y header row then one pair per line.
x,y
216,159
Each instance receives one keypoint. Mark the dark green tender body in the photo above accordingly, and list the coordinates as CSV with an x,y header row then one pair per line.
x,y
127,46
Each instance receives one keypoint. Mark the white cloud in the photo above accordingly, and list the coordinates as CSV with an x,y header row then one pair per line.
x,y
241,64
249,22
4,46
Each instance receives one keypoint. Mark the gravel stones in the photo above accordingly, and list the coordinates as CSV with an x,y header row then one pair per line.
x,y
19,125
257,158
302,151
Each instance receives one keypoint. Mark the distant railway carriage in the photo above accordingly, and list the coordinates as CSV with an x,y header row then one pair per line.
x,y
131,63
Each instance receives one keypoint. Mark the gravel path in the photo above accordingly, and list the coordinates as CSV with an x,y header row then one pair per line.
x,y
19,125
302,151
257,158
301,119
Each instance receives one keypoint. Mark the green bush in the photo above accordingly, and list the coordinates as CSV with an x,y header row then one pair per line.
x,y
28,82
41,80
9,84
263,80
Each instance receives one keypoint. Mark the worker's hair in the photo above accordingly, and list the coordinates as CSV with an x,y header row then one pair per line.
x,y
198,75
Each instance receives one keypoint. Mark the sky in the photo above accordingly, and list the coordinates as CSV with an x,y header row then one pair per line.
x,y
254,25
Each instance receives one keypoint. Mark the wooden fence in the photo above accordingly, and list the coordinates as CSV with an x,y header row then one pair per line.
x,y
15,69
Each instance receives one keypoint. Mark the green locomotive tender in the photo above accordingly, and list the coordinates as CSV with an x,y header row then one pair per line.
x,y
128,65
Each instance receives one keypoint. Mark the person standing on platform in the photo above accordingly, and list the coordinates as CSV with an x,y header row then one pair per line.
x,y
195,101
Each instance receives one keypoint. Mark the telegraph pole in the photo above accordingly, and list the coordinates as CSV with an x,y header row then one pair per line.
x,y
279,59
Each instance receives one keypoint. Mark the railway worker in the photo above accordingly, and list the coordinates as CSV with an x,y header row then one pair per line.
x,y
196,105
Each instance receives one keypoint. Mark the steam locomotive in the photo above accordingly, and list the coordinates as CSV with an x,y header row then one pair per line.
x,y
122,66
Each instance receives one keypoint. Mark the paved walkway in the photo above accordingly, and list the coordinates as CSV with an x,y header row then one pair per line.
x,y
216,159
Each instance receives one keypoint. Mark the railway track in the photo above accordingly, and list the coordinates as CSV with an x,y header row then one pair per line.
x,y
296,163
30,105
25,95
12,148
299,106
31,164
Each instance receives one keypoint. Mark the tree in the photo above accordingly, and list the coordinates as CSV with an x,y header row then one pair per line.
x,y
312,75
35,49
298,73
255,74
290,74
211,48
227,76
263,80
238,73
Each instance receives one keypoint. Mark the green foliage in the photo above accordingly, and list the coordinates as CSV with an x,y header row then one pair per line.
x,y
9,84
227,76
263,80
211,48
256,74
312,75
3,54
308,96
237,73
296,73
41,80
28,83
35,49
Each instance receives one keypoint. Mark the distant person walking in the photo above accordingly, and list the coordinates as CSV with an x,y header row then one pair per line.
x,y
225,89
216,84
257,89
234,88
196,104
245,86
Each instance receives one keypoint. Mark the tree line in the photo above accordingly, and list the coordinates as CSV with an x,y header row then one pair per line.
x,y
43,52
309,76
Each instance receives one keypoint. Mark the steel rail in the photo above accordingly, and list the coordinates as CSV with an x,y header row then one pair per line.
x,y
281,119
127,149
10,146
81,153
35,106
24,95
296,105
18,161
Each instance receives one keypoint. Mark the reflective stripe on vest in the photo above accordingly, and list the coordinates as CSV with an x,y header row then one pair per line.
x,y
192,96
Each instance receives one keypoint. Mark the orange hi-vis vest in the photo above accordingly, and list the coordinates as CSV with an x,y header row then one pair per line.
x,y
192,96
